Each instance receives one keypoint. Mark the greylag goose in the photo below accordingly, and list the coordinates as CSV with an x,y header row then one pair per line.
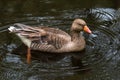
x,y
52,40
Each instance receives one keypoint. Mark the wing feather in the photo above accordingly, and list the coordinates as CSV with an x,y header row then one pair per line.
x,y
53,30
44,38
52,40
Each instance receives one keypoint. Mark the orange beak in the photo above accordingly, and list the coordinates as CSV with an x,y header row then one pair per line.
x,y
86,29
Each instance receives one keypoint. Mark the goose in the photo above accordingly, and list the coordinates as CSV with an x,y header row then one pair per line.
x,y
51,40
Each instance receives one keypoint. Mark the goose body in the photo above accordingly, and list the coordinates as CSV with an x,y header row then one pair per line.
x,y
52,40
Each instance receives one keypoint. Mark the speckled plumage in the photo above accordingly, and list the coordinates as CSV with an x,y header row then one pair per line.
x,y
53,40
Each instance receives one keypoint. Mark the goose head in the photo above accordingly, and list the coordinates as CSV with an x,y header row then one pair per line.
x,y
80,25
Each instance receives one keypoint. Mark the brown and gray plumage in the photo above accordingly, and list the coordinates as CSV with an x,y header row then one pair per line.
x,y
52,40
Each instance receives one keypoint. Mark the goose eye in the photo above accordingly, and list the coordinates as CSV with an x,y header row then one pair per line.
x,y
82,25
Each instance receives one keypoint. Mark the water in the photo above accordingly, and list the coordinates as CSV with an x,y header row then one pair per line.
x,y
99,61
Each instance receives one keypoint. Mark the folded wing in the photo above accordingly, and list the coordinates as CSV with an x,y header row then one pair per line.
x,y
44,38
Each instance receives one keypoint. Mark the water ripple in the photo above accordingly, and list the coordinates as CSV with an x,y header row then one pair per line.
x,y
100,58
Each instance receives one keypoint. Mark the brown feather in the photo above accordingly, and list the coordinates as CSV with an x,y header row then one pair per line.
x,y
53,39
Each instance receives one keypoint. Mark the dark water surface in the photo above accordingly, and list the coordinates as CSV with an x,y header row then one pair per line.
x,y
99,61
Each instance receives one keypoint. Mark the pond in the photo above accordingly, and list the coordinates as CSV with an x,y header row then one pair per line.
x,y
99,61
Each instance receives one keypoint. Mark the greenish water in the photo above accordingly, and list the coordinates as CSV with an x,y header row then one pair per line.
x,y
99,61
